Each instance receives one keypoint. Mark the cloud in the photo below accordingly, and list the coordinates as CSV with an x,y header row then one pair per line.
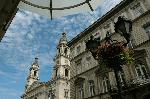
x,y
7,93
3,73
31,35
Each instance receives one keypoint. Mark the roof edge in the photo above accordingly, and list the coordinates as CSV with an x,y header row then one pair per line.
x,y
101,20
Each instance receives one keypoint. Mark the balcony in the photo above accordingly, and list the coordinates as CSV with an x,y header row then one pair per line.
x,y
141,80
132,84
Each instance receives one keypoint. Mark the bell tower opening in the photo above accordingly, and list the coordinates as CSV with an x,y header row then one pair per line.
x,y
35,73
65,51
56,72
66,72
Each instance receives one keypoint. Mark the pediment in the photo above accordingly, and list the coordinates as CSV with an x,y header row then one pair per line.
x,y
35,85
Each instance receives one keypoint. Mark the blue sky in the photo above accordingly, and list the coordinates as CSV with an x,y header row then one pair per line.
x,y
31,35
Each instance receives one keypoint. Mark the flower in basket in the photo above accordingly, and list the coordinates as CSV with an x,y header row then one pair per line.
x,y
114,54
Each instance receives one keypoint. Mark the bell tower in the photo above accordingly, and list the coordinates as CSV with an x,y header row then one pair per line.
x,y
33,74
62,63
61,73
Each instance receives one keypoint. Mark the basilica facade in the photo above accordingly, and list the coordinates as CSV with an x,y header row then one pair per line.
x,y
77,75
59,86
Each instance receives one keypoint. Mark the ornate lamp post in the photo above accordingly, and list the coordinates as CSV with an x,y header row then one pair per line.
x,y
112,53
124,27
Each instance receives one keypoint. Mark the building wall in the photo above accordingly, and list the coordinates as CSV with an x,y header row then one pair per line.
x,y
83,64
86,71
37,92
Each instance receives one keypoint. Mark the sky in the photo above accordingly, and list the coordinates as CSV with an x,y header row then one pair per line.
x,y
31,35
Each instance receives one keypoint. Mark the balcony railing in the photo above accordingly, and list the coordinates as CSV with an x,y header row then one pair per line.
x,y
128,85
132,83
139,81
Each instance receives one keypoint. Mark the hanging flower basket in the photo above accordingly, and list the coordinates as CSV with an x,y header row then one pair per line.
x,y
114,54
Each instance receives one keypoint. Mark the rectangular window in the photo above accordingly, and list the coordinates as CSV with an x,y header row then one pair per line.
x,y
107,28
78,66
147,29
78,50
137,9
144,72
66,91
104,85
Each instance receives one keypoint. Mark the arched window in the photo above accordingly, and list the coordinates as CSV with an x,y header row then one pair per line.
x,y
56,72
121,77
79,83
91,88
35,73
65,51
105,85
81,92
66,72
58,50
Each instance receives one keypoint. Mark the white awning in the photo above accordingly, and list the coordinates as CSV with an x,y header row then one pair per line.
x,y
59,8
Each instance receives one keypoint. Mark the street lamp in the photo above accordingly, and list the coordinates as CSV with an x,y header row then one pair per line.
x,y
124,27
113,53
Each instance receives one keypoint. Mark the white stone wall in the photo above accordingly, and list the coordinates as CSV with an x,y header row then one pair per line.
x,y
138,36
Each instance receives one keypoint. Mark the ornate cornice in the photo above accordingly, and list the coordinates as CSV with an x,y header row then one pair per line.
x,y
35,85
100,21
